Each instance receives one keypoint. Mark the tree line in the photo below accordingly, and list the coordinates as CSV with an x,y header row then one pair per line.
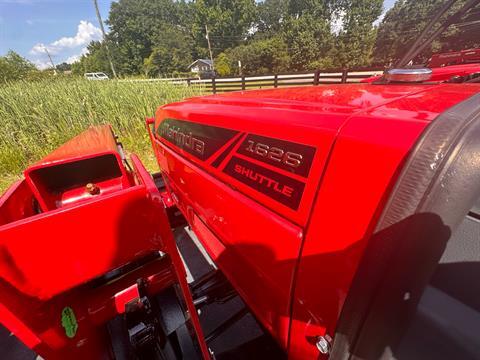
x,y
162,37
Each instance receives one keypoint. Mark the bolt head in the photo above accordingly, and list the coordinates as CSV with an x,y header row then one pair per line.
x,y
92,189
323,345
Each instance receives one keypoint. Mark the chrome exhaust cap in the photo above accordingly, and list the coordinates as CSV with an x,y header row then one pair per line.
x,y
408,75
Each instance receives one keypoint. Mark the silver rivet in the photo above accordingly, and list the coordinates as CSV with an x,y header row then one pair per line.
x,y
323,345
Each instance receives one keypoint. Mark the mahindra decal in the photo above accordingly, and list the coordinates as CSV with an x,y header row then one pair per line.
x,y
202,141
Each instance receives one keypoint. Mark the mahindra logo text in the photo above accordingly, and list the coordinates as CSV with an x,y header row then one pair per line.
x,y
182,139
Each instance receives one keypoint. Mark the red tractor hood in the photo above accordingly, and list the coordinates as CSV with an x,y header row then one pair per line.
x,y
262,175
306,116
341,99
335,99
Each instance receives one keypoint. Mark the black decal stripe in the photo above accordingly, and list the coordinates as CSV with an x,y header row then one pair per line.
x,y
200,140
279,187
306,152
216,163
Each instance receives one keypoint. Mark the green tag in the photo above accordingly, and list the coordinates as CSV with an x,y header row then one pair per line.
x,y
69,322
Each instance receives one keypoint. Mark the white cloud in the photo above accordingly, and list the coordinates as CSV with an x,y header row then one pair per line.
x,y
42,64
66,49
86,32
72,59
76,57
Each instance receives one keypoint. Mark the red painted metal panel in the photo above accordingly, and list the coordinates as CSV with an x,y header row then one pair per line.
x,y
253,239
94,141
344,211
170,247
95,144
43,263
16,203
308,129
361,133
49,257
368,154
37,323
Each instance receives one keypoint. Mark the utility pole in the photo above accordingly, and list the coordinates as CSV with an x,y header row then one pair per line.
x,y
104,38
209,46
51,61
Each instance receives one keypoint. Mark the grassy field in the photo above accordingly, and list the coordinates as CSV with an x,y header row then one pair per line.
x,y
37,117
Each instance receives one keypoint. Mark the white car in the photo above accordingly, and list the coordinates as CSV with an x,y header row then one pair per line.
x,y
96,76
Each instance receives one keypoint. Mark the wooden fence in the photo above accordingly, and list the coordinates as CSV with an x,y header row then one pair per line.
x,y
217,85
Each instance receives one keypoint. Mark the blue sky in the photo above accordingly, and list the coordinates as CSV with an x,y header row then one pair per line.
x,y
65,27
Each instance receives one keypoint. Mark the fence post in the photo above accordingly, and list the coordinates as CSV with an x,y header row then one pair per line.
x,y
344,76
243,82
189,82
275,81
214,87
316,77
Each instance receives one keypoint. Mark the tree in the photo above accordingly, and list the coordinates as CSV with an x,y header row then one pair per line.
x,y
404,22
222,65
171,53
134,27
331,33
316,8
163,36
270,16
260,56
356,38
229,23
15,67
309,40
96,60
64,67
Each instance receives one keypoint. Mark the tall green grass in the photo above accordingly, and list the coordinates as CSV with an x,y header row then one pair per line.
x,y
37,117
